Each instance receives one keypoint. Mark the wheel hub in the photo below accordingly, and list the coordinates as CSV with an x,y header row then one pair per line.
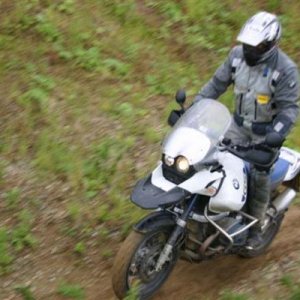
x,y
144,263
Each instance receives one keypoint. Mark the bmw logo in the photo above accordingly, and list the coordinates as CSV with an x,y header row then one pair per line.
x,y
236,184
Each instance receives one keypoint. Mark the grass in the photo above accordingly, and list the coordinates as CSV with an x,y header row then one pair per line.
x,y
73,291
292,286
229,295
86,90
133,293
5,257
80,248
12,198
25,292
21,233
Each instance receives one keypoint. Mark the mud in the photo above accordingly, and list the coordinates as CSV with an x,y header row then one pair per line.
x,y
43,269
209,279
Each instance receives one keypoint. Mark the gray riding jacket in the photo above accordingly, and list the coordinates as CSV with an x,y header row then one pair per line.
x,y
265,94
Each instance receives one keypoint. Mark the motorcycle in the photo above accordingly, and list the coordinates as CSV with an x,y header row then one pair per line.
x,y
199,194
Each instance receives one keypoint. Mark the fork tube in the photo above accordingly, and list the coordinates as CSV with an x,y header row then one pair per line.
x,y
181,224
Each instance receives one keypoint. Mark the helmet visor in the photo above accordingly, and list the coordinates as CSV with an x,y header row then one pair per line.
x,y
260,49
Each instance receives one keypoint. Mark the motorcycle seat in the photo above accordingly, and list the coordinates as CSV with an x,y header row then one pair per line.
x,y
279,171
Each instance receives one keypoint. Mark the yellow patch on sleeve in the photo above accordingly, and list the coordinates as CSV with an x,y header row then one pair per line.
x,y
263,99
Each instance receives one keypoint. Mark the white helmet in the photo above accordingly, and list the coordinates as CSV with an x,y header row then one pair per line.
x,y
259,37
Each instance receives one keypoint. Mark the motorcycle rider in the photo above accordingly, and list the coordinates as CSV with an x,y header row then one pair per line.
x,y
266,89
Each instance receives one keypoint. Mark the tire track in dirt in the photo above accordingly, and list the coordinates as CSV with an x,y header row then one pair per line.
x,y
209,278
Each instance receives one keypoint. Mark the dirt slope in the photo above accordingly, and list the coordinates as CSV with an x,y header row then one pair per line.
x,y
54,262
207,280
254,276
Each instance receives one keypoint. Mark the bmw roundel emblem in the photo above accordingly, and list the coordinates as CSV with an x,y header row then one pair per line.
x,y
236,184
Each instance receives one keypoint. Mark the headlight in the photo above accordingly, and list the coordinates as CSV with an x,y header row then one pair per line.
x,y
168,160
182,164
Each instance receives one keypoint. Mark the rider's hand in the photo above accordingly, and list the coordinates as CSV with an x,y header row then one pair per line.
x,y
274,139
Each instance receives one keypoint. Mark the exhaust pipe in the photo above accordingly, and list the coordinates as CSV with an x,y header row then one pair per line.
x,y
283,201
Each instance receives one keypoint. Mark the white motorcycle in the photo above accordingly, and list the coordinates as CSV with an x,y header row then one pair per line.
x,y
199,193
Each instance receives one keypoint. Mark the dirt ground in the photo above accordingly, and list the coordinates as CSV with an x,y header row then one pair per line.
x,y
53,263
208,279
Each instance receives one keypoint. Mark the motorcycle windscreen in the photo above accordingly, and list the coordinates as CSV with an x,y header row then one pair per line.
x,y
198,131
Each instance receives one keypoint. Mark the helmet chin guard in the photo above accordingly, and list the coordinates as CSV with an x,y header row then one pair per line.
x,y
254,57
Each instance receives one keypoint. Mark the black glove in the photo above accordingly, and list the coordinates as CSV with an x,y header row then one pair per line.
x,y
282,125
274,139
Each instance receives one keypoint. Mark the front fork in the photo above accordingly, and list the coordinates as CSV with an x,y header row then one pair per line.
x,y
181,224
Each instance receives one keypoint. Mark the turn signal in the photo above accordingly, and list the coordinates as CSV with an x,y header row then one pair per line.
x,y
169,161
209,191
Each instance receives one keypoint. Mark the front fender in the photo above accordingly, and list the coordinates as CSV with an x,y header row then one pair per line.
x,y
155,220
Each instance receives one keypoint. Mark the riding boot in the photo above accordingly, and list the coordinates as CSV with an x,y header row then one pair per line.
x,y
260,187
254,238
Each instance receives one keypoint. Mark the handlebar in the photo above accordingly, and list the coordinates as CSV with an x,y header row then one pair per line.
x,y
260,155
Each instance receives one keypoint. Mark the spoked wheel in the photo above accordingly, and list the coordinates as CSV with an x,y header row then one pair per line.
x,y
267,238
135,264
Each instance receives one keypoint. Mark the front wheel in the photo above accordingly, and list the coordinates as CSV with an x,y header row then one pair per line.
x,y
267,238
134,265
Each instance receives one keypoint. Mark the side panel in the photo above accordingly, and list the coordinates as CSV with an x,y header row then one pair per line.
x,y
197,183
293,158
233,192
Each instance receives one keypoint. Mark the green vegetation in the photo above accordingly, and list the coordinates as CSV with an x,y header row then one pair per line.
x,y
21,234
15,239
86,87
5,257
80,248
133,293
12,198
233,296
25,292
73,291
293,287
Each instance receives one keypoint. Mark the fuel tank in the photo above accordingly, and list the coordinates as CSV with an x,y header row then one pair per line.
x,y
232,192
